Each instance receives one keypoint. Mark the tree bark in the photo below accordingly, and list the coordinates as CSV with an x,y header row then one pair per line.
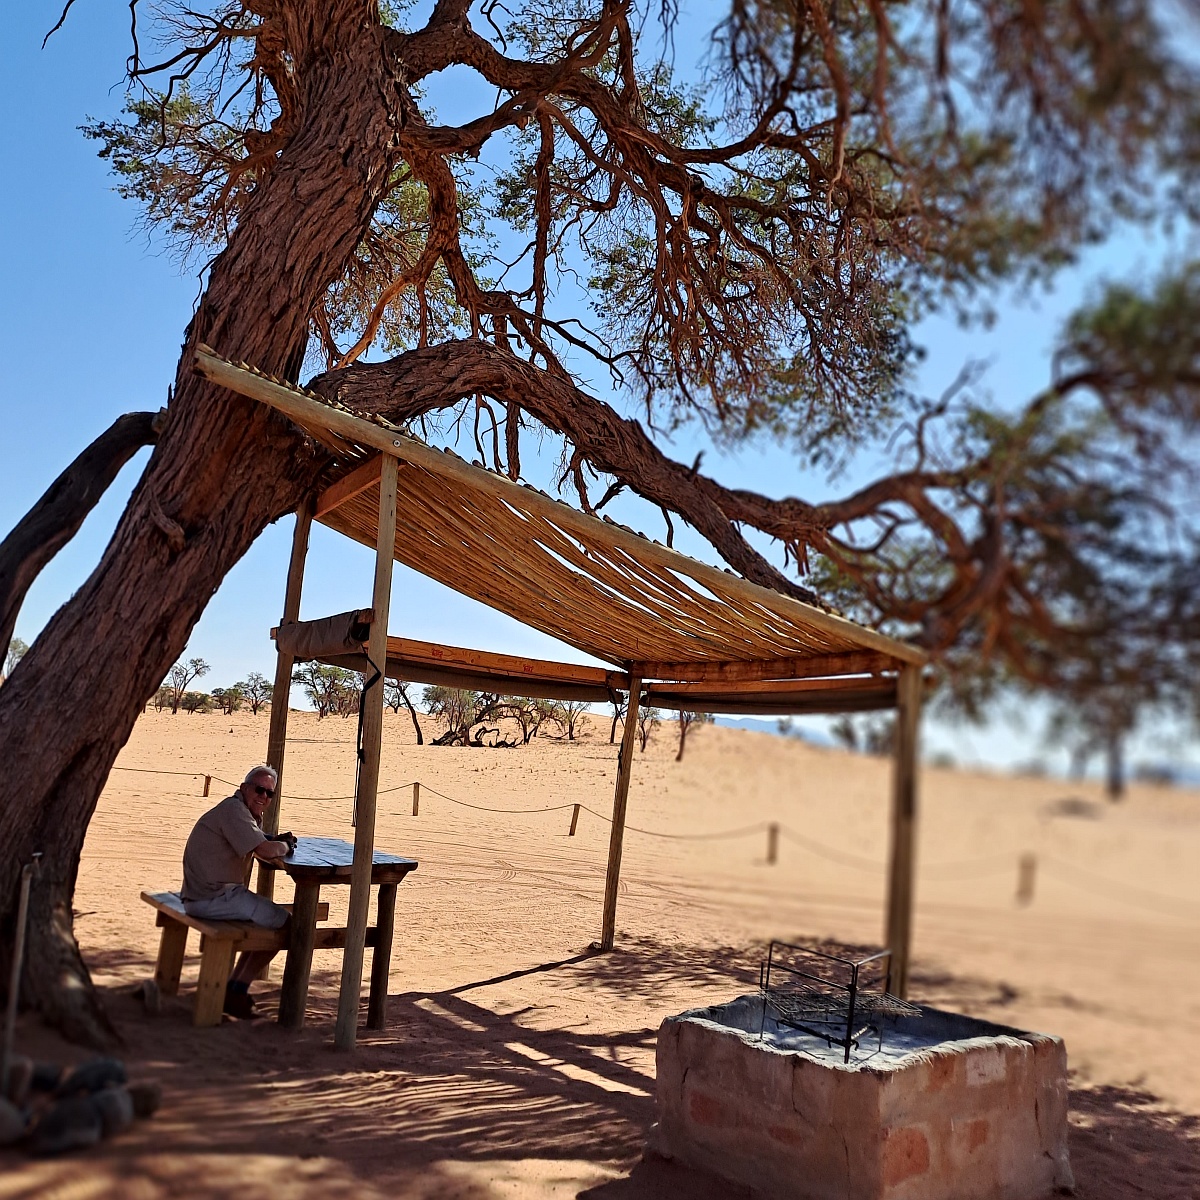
x,y
55,519
224,467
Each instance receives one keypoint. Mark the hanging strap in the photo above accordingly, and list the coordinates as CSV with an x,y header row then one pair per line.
x,y
360,754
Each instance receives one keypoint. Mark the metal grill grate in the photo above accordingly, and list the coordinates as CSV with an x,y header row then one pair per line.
x,y
831,997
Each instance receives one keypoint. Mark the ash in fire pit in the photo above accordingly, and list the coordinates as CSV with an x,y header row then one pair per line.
x,y
922,1105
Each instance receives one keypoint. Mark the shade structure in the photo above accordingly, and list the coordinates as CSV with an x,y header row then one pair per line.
x,y
600,587
676,632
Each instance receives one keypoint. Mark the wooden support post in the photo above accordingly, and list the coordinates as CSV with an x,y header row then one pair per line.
x,y
416,798
277,730
574,821
381,960
293,997
773,843
368,777
620,802
902,851
1026,878
207,783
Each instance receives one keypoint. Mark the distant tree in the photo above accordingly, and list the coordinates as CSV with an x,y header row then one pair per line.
x,y
16,650
327,687
395,693
648,720
181,675
529,714
461,710
196,702
229,699
569,712
620,706
869,736
163,698
256,690
686,721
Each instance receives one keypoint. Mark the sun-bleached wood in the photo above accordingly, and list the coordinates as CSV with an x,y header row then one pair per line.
x,y
511,509
346,1032
348,486
434,654
856,662
281,694
902,849
616,838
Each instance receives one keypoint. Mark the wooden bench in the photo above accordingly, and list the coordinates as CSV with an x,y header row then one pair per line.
x,y
220,941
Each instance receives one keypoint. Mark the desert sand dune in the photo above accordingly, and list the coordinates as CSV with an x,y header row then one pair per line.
x,y
518,1065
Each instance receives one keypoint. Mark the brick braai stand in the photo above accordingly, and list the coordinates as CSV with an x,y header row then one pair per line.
x,y
952,1108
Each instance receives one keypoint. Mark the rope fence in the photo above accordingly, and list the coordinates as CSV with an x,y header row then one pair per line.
x,y
1027,864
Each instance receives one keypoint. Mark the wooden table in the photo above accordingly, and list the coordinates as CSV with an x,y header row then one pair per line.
x,y
314,862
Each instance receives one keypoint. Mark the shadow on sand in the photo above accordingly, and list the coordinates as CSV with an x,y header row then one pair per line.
x,y
464,1082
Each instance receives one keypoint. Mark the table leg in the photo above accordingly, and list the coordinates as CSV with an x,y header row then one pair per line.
x,y
294,996
381,961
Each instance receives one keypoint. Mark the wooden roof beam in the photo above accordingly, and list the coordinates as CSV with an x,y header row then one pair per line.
x,y
350,485
858,662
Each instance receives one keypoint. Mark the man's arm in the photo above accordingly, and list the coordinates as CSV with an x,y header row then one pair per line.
x,y
270,850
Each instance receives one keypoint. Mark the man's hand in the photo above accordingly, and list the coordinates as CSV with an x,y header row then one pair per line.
x,y
289,838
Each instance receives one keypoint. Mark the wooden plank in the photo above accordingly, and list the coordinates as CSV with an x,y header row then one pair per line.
x,y
486,661
902,848
381,960
349,486
313,411
857,662
616,837
781,706
280,696
346,1032
511,685
783,688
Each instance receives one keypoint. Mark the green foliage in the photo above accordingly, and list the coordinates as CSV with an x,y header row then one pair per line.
x,y
256,691
16,651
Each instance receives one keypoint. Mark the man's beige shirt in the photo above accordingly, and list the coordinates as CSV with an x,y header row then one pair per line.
x,y
218,851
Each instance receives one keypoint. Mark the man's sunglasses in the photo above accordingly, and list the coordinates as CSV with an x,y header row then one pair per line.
x,y
262,791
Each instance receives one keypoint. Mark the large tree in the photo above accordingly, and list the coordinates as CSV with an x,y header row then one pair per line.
x,y
754,241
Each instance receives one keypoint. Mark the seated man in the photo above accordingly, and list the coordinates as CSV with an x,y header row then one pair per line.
x,y
216,866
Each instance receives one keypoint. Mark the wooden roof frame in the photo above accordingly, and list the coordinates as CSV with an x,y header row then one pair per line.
x,y
680,633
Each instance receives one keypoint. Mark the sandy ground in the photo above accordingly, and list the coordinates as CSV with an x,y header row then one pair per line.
x,y
518,1065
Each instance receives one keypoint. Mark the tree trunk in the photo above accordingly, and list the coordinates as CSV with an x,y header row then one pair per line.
x,y
224,467
55,519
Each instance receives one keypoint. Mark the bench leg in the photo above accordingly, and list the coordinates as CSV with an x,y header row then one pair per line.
x,y
293,996
381,960
216,961
172,946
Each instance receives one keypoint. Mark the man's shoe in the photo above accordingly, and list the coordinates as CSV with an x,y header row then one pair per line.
x,y
239,1005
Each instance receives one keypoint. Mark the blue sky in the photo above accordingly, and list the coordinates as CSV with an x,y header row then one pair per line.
x,y
92,316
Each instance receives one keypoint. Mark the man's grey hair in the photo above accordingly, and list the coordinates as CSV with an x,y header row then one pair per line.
x,y
261,769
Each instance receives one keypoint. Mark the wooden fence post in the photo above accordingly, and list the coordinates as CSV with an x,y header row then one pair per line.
x,y
1026,878
207,783
416,798
773,842
574,821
